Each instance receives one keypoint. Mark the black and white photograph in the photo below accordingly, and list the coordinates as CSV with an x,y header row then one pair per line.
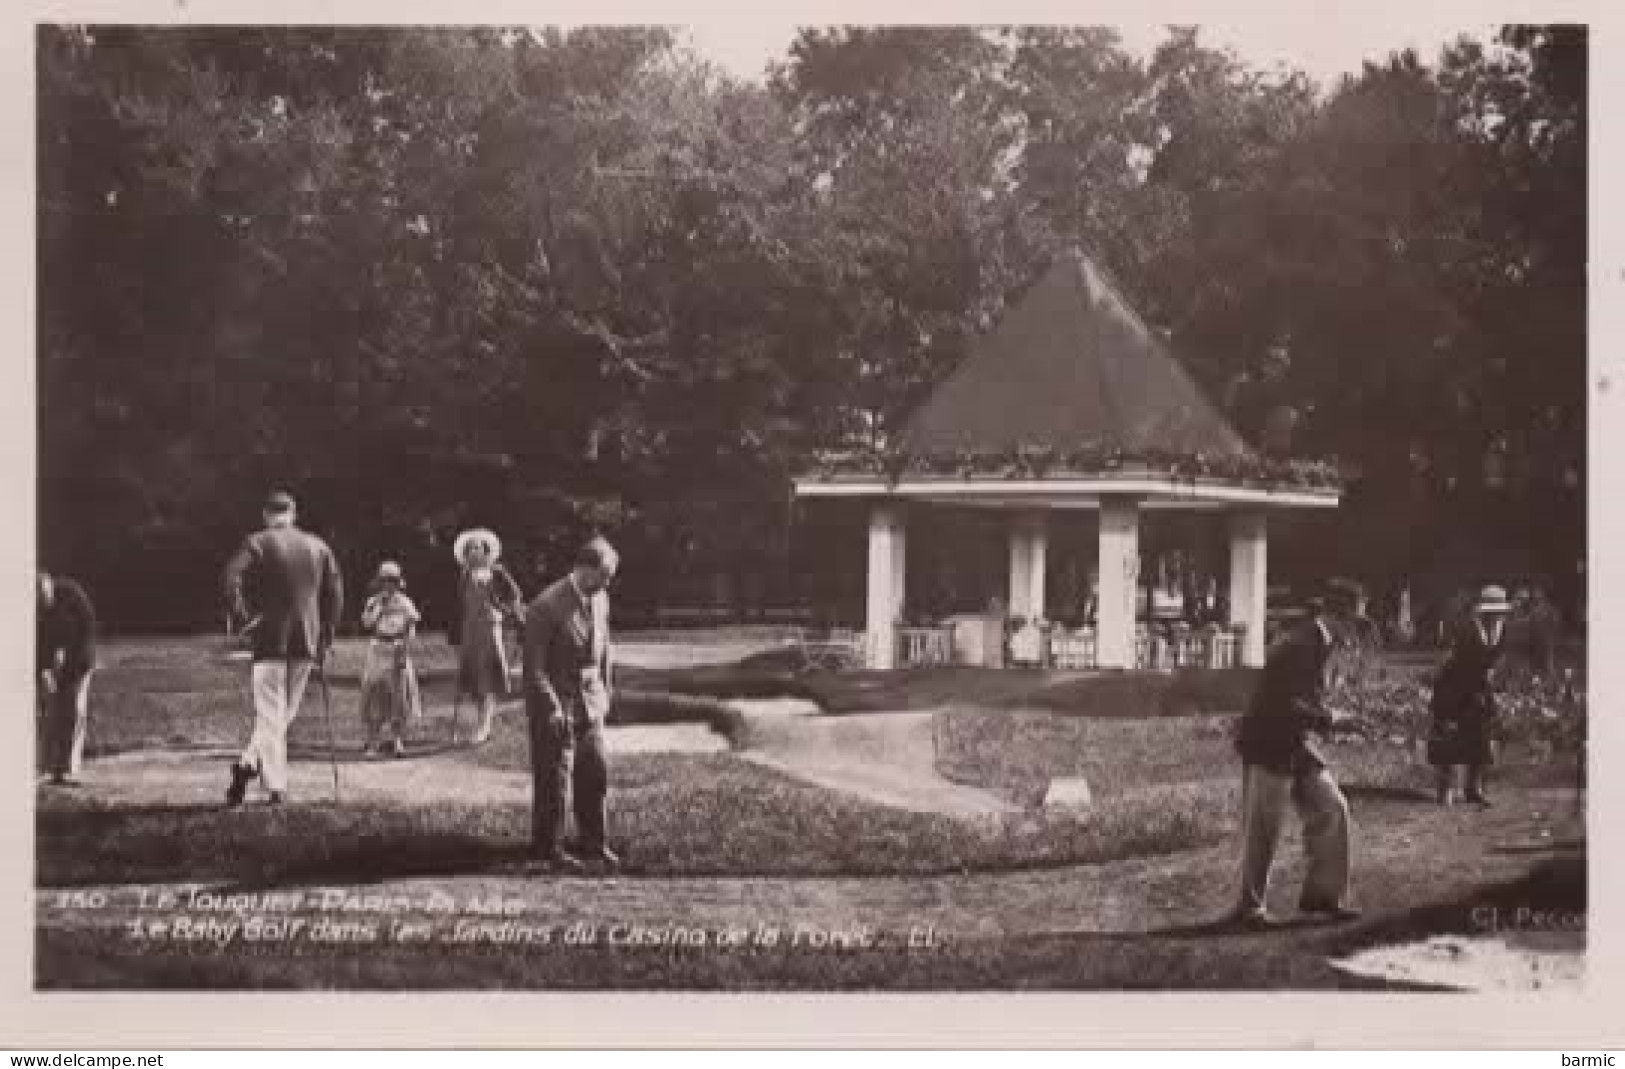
x,y
811,508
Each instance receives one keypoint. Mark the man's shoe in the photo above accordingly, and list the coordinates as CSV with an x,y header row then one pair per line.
x,y
62,779
601,855
1479,798
558,861
240,779
278,797
1330,910
1251,920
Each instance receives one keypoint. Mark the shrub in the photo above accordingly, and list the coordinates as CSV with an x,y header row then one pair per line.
x,y
648,707
1544,711
1184,692
804,659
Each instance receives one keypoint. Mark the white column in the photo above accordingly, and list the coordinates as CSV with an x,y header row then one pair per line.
x,y
885,592
899,564
1249,582
1029,545
1119,573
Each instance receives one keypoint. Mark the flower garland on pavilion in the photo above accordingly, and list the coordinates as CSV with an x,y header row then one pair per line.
x,y
1037,462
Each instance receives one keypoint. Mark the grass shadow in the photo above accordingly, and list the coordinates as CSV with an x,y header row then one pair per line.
x,y
177,745
1562,846
305,841
1357,792
353,755
431,856
1554,886
1223,926
61,821
343,755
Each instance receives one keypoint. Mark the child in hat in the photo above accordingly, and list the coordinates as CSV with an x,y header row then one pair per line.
x,y
389,685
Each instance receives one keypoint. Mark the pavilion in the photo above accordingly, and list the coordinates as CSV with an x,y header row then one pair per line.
x,y
1072,402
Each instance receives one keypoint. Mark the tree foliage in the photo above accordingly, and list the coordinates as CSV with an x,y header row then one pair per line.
x,y
558,281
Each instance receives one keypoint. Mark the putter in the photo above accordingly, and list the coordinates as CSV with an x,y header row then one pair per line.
x,y
327,710
402,708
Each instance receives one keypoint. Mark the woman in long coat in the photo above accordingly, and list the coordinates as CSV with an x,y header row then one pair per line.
x,y
1463,704
487,598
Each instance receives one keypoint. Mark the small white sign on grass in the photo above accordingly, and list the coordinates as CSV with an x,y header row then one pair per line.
x,y
1070,792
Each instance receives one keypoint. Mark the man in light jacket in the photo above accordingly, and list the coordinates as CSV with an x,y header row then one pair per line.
x,y
288,581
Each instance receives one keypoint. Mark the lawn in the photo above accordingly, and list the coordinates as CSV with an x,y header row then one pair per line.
x,y
780,673
1161,783
1019,751
1156,753
186,694
670,815
1189,959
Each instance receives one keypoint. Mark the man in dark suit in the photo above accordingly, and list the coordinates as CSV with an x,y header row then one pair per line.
x,y
567,672
1281,761
289,580
65,648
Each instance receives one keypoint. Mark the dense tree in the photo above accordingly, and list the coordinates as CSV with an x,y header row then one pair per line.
x,y
553,281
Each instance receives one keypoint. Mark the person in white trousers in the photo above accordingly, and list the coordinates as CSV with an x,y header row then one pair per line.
x,y
1281,763
298,596
65,643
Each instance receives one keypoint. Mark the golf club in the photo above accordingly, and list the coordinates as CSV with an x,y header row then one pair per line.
x,y
327,710
402,705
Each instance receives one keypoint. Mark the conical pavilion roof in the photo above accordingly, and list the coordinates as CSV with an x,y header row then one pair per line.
x,y
1071,366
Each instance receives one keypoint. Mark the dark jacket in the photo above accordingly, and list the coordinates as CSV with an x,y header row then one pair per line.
x,y
66,627
1286,705
567,663
290,579
1463,703
1462,688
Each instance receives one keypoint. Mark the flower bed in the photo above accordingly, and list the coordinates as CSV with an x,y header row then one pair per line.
x,y
1036,462
1381,704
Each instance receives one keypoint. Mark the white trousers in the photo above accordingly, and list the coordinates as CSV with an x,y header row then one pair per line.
x,y
279,687
67,712
1326,832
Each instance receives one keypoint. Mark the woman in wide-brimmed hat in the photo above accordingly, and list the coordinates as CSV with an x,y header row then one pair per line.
x,y
487,597
1463,704
389,684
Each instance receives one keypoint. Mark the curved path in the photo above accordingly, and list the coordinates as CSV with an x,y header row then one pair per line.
x,y
1132,896
199,776
886,758
1414,855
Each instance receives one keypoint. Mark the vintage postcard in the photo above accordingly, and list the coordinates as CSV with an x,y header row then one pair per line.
x,y
823,504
